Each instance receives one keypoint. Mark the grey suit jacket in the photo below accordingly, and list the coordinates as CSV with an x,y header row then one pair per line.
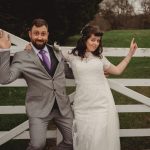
x,y
42,89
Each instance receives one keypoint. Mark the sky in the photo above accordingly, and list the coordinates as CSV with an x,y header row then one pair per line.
x,y
136,5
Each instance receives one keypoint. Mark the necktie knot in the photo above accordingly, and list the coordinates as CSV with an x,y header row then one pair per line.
x,y
42,52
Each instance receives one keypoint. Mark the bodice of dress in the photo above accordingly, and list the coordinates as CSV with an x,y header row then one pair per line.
x,y
89,70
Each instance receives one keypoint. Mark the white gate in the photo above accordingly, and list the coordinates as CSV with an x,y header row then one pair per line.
x,y
118,85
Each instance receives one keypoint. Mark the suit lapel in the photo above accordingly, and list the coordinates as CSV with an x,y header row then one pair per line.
x,y
59,58
57,55
56,52
37,61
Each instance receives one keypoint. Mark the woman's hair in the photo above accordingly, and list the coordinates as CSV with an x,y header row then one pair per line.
x,y
86,33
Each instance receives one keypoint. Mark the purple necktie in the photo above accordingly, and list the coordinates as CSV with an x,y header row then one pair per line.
x,y
45,59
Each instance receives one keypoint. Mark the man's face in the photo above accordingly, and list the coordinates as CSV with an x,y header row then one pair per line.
x,y
39,36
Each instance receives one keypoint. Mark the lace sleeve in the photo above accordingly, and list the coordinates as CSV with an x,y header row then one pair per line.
x,y
106,63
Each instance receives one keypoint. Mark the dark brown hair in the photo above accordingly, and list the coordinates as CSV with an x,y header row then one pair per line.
x,y
86,33
38,23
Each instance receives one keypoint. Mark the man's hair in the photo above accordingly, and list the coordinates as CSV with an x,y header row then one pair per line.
x,y
38,23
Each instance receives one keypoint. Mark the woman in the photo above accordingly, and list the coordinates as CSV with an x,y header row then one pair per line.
x,y
96,125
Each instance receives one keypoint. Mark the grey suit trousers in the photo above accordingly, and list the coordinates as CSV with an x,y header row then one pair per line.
x,y
38,129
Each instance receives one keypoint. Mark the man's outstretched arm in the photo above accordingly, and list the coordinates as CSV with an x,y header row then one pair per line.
x,y
7,73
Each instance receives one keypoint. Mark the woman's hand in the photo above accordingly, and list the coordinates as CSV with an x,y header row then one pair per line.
x,y
133,47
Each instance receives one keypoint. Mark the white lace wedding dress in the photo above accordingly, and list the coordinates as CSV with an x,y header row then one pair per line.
x,y
96,125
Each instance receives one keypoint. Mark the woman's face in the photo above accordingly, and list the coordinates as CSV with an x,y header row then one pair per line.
x,y
92,43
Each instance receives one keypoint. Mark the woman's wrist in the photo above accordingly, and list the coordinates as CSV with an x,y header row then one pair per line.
x,y
128,58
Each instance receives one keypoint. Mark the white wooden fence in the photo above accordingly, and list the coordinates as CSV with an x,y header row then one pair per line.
x,y
119,85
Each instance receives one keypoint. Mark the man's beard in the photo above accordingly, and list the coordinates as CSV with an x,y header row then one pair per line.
x,y
39,46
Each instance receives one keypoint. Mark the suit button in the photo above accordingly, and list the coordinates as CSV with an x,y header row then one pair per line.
x,y
54,90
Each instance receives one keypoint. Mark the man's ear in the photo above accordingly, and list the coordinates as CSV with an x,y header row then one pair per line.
x,y
29,34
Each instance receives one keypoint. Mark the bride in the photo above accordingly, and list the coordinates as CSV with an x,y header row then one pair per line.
x,y
96,125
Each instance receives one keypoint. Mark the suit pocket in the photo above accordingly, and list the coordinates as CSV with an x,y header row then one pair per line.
x,y
34,94
34,98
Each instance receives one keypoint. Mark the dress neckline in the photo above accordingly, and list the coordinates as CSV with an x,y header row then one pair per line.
x,y
88,54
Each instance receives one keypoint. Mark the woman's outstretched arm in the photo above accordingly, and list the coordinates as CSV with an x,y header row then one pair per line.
x,y
118,69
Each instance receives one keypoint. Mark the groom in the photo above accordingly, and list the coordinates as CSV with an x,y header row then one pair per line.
x,y
43,70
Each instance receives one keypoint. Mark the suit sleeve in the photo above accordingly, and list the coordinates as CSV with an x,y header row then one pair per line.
x,y
66,55
9,73
68,70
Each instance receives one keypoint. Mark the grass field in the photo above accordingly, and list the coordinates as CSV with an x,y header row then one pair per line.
x,y
120,38
138,68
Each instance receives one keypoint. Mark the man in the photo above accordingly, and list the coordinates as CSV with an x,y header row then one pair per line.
x,y
43,70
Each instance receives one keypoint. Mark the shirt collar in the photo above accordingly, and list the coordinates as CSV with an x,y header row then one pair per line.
x,y
37,50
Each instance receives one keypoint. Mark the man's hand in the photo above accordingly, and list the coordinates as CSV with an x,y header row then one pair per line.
x,y
28,47
5,42
106,74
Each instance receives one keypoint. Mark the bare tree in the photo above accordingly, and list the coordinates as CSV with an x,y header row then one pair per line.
x,y
122,7
103,23
117,12
146,6
117,7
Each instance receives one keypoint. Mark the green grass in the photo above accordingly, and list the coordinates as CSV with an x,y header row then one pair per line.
x,y
138,68
135,143
122,38
119,38
13,96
